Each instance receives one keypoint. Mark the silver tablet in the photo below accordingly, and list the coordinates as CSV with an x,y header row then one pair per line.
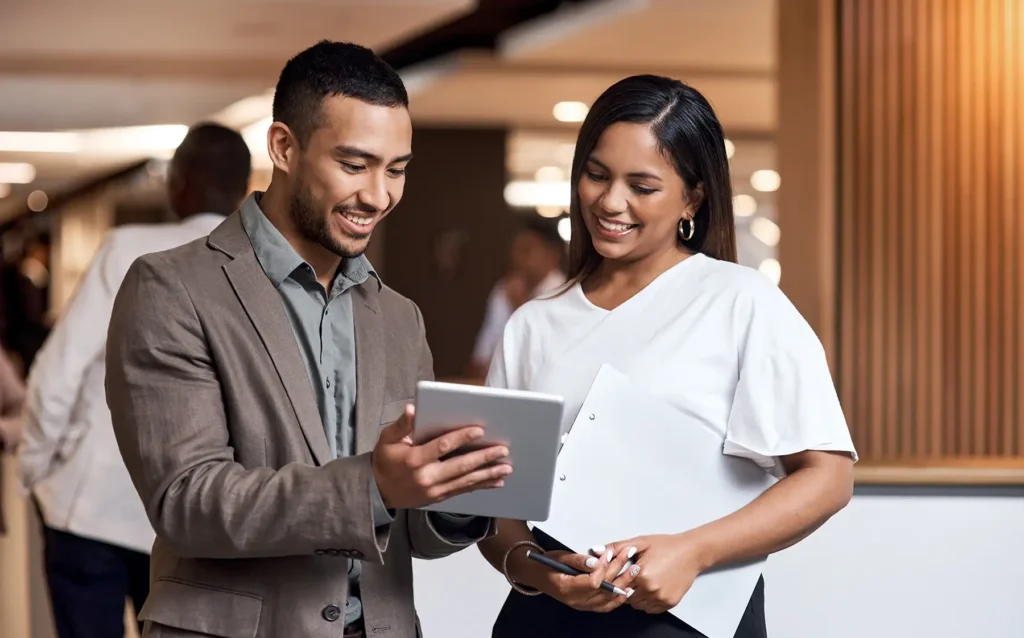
x,y
528,423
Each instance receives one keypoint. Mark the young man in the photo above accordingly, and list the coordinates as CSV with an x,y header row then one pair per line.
x,y
259,383
96,535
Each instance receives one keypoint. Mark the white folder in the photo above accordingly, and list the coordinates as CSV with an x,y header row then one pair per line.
x,y
633,465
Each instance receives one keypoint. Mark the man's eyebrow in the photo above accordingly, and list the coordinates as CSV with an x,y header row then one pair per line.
x,y
356,152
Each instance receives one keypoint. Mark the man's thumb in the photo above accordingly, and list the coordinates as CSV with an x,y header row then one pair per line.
x,y
401,428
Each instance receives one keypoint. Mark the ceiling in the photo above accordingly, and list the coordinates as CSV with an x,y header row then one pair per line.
x,y
110,63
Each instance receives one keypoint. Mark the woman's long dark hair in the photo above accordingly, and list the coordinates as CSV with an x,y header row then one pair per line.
x,y
688,133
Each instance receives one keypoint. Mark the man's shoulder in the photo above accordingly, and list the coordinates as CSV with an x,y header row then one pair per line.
x,y
194,255
396,306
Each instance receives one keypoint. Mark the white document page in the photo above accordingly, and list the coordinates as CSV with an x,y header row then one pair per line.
x,y
633,465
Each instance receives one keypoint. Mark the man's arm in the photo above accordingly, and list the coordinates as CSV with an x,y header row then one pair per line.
x,y
164,394
55,381
432,534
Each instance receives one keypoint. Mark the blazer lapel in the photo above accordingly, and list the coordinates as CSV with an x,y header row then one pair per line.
x,y
266,311
369,365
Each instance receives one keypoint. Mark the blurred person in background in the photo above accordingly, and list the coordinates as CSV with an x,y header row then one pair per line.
x,y
26,289
535,269
96,533
655,292
12,398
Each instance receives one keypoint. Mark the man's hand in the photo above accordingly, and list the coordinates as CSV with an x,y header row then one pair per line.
x,y
410,476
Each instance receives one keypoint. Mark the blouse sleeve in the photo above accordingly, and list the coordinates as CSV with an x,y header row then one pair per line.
x,y
785,399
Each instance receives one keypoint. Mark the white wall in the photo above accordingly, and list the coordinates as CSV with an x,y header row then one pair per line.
x,y
895,563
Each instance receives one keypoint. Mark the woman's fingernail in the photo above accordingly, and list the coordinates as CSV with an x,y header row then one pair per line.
x,y
634,570
591,562
598,549
629,592
611,555
631,552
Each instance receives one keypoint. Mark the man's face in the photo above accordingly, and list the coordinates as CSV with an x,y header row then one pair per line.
x,y
351,173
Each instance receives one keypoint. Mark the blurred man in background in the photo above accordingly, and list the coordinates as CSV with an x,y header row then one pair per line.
x,y
535,268
97,535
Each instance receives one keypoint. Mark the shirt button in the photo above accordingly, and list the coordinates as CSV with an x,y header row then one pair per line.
x,y
331,613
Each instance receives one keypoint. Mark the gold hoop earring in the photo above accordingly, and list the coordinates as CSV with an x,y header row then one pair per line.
x,y
684,235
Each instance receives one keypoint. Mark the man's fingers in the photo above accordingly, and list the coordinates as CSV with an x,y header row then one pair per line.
x,y
489,476
445,444
464,464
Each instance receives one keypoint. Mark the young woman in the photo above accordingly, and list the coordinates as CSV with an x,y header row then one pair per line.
x,y
654,291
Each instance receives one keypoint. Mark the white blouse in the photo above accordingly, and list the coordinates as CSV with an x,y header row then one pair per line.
x,y
717,340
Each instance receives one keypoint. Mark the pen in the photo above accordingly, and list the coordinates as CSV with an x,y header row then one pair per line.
x,y
570,571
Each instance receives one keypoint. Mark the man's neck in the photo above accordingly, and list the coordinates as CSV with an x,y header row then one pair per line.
x,y
275,205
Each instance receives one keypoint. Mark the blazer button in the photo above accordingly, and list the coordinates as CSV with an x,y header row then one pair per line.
x,y
355,553
319,552
331,613
332,552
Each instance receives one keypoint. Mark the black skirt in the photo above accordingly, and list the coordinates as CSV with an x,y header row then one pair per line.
x,y
545,617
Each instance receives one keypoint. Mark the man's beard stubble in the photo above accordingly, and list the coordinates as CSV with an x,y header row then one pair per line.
x,y
312,226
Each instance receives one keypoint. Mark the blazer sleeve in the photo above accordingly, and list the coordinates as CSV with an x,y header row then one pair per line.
x,y
432,535
169,419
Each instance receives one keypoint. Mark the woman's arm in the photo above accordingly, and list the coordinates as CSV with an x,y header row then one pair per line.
x,y
817,485
522,570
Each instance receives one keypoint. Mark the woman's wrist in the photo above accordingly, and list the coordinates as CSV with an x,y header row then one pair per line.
x,y
701,545
524,571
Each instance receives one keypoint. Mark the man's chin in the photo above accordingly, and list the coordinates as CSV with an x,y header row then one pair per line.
x,y
348,247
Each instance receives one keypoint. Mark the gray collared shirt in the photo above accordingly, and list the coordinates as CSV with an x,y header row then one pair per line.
x,y
324,330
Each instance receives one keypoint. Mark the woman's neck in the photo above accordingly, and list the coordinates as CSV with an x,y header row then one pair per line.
x,y
616,280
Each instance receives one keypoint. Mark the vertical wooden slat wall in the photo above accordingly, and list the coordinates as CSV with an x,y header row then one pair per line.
x,y
931,228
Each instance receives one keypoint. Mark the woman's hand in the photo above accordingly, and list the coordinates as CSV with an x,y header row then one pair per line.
x,y
584,592
669,563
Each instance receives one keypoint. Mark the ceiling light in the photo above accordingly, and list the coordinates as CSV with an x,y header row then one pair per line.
x,y
730,148
744,205
530,194
766,230
549,174
156,139
17,173
570,111
765,180
550,211
772,269
5,190
39,142
565,229
37,201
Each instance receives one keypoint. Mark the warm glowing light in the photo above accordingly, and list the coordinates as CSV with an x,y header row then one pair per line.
x,y
37,201
565,229
766,230
570,111
549,174
17,173
143,140
771,269
39,142
5,190
550,211
531,194
765,180
730,148
744,205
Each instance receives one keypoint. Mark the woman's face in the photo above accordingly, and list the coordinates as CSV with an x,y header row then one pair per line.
x,y
631,196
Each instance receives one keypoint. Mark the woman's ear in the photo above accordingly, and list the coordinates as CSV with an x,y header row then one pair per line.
x,y
694,199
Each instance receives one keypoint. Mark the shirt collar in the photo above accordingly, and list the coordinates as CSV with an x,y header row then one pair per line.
x,y
279,259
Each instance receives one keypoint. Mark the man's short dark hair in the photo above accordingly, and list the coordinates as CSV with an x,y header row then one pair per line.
x,y
216,162
327,69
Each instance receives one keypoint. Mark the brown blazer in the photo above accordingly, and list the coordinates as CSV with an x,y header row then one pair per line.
x,y
218,426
